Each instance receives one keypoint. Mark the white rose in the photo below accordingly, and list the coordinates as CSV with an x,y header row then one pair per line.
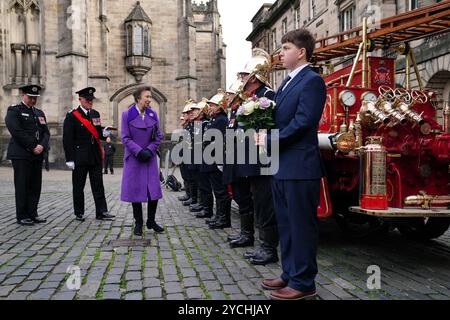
x,y
249,107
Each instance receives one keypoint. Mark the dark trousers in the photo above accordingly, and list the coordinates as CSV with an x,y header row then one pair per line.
x,y
109,163
151,211
204,188
27,185
242,194
189,181
218,188
79,176
296,203
265,217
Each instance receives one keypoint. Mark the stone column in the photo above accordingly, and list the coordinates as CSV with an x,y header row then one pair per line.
x,y
34,50
18,50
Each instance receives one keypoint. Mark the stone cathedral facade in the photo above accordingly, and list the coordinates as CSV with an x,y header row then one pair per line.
x,y
174,46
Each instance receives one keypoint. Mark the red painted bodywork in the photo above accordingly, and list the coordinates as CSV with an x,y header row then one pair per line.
x,y
415,162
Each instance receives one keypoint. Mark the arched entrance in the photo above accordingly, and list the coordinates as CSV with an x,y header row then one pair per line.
x,y
440,82
123,99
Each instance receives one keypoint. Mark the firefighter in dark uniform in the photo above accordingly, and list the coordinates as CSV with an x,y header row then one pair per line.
x,y
206,199
255,77
109,150
213,171
189,180
84,153
240,185
28,147
186,196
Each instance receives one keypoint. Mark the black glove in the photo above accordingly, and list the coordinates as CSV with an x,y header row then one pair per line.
x,y
144,155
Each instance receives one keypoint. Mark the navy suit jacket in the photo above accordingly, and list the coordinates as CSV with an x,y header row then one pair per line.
x,y
297,115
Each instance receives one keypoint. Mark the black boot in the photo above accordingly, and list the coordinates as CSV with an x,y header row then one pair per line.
x,y
189,202
138,230
265,256
187,195
212,220
251,254
151,213
233,237
207,212
246,238
184,198
223,216
196,208
138,220
268,252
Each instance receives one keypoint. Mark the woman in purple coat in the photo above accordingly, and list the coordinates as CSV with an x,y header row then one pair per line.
x,y
141,137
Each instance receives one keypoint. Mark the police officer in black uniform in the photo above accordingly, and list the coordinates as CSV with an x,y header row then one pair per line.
x,y
84,154
109,150
28,147
218,121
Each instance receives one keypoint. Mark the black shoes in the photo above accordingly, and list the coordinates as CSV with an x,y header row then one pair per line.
x,y
264,256
138,230
189,202
31,221
243,241
105,216
25,222
233,237
38,220
203,214
80,218
184,198
196,208
153,225
220,225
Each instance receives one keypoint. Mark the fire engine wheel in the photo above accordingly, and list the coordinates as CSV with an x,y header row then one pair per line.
x,y
424,228
356,226
353,225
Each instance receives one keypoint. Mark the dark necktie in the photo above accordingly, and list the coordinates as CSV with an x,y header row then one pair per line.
x,y
88,114
286,80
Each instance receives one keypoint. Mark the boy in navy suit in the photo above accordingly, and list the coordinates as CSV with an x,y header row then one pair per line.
x,y
296,186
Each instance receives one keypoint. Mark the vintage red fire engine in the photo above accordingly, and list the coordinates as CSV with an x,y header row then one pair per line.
x,y
387,157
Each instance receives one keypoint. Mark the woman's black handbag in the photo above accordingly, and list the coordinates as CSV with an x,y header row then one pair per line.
x,y
173,183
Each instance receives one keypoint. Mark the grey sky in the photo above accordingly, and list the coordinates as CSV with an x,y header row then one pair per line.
x,y
235,18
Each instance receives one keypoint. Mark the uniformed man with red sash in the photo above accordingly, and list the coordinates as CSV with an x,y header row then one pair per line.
x,y
84,153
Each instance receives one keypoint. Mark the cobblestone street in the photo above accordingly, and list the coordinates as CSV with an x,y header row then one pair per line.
x,y
188,261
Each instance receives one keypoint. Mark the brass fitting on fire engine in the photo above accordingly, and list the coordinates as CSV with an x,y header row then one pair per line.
x,y
447,118
425,201
358,131
389,108
371,109
412,115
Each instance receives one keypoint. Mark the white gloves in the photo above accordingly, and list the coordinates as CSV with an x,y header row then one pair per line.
x,y
106,132
70,165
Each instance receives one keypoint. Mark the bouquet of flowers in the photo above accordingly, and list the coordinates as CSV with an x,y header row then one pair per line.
x,y
256,113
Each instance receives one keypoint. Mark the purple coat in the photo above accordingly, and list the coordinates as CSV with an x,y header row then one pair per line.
x,y
140,181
